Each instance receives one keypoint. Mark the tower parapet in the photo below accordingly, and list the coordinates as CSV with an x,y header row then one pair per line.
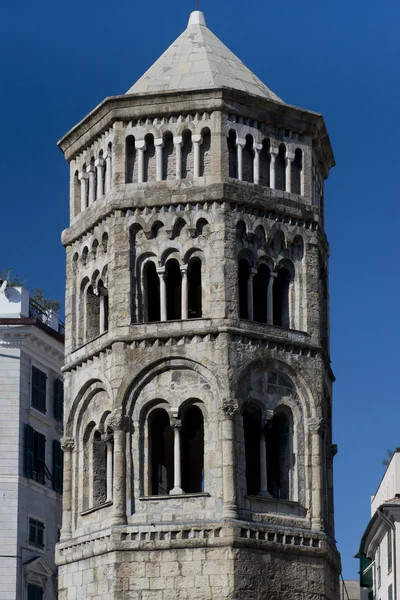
x,y
197,376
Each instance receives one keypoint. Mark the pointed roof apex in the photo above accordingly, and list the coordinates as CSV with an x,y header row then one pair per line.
x,y
197,18
198,60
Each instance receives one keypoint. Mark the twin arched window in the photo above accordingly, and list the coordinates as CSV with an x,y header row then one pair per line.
x,y
176,452
269,452
98,450
264,296
173,292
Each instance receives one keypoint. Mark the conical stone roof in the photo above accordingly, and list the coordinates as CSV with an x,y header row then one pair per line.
x,y
198,60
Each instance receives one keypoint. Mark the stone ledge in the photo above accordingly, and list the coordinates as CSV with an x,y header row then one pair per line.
x,y
93,509
174,496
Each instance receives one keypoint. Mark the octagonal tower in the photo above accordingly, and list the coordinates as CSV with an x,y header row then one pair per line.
x,y
197,450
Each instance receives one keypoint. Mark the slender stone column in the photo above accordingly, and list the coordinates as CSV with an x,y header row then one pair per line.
x,y
256,163
230,508
270,299
119,424
163,293
99,164
185,298
240,144
250,296
140,146
178,156
91,170
289,157
108,159
197,141
315,428
83,177
265,424
176,425
110,449
67,445
159,145
274,153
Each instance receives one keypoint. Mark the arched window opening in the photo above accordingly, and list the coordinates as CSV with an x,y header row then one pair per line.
x,y
281,298
92,314
104,241
298,248
280,166
169,162
248,159
243,276
151,292
232,151
194,289
241,231
178,227
252,432
187,154
108,169
161,453
103,308
77,194
205,154
192,444
93,179
259,237
149,159
265,162
173,282
260,293
201,227
130,155
85,191
279,456
99,475
278,242
296,168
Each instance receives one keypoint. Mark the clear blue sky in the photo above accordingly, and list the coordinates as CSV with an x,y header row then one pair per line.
x,y
59,59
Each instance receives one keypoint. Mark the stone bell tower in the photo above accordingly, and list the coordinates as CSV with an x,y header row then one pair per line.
x,y
197,450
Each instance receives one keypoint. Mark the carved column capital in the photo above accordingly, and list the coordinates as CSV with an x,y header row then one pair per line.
x,y
67,444
315,425
230,406
118,422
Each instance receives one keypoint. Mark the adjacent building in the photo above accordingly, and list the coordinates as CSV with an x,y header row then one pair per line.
x,y
198,406
378,553
31,399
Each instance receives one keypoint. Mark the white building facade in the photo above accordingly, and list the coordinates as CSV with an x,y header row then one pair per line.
x,y
379,558
31,398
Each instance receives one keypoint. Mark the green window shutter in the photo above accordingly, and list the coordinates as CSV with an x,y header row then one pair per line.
x,y
57,466
32,531
29,459
390,551
39,389
58,399
365,578
390,592
41,457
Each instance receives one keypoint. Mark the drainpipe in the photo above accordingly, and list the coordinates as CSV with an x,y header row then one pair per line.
x,y
393,528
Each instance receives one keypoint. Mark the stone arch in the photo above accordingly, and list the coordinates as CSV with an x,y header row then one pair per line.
x,y
205,153
178,227
146,294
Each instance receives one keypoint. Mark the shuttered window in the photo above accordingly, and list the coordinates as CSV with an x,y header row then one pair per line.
x,y
35,455
36,533
38,400
34,592
58,399
57,466
390,550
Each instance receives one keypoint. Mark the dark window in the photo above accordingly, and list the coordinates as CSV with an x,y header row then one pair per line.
x,y
130,154
99,470
39,389
281,298
173,282
390,550
58,399
34,592
232,153
57,466
194,292
260,288
243,276
151,292
35,450
161,453
36,533
192,450
279,455
252,431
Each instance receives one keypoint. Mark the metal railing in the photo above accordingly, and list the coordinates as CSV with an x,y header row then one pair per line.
x,y
36,311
